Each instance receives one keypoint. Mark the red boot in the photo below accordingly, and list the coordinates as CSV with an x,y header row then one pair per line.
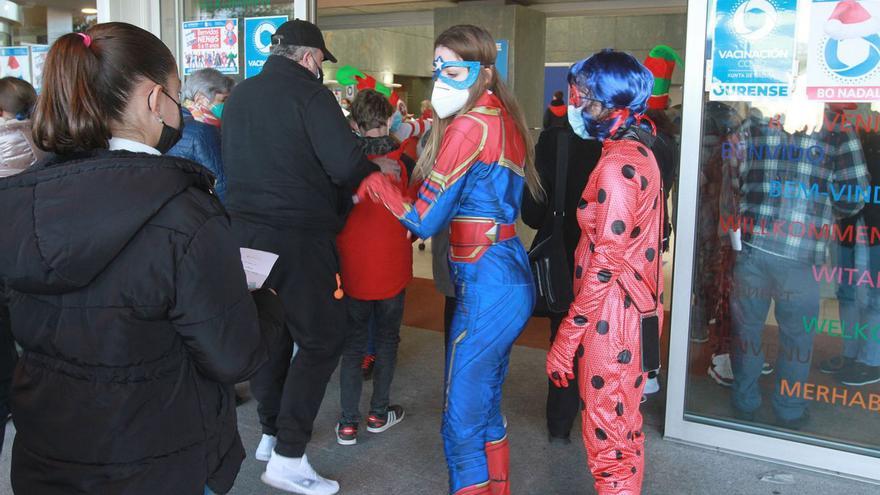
x,y
482,489
498,455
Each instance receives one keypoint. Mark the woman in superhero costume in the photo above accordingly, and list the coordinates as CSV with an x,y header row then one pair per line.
x,y
474,168
617,273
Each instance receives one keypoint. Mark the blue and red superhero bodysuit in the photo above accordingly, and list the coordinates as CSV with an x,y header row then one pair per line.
x,y
475,187
616,280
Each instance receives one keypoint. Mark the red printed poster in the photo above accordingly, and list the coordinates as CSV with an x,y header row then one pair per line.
x,y
211,44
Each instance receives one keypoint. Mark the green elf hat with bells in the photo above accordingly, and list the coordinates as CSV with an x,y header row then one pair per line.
x,y
661,62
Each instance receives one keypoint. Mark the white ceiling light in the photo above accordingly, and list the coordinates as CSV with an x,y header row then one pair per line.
x,y
89,11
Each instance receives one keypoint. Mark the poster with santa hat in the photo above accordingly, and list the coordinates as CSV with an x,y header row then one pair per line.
x,y
843,61
15,61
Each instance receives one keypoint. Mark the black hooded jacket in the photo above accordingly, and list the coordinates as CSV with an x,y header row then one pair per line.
x,y
128,297
290,157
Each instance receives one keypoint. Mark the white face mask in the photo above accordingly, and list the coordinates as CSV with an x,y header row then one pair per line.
x,y
447,100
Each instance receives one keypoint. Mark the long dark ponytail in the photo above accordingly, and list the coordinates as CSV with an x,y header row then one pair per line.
x,y
87,81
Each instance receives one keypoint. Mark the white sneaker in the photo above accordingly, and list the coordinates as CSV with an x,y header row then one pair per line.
x,y
652,386
720,370
264,450
295,475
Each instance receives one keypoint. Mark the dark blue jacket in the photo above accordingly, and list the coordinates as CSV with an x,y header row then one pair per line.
x,y
201,143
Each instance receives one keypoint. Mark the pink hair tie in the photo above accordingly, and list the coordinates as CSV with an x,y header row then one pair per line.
x,y
87,40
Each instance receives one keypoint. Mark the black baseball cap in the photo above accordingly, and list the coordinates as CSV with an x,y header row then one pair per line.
x,y
302,33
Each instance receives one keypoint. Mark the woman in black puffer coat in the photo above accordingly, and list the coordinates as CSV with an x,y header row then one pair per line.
x,y
125,287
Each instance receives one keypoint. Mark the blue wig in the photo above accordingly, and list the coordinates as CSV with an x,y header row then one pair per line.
x,y
619,82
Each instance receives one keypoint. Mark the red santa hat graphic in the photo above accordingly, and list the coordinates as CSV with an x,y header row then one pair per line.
x,y
851,20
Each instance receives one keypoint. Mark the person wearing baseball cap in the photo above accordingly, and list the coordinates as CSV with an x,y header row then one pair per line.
x,y
292,165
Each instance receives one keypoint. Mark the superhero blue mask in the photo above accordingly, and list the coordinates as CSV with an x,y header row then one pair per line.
x,y
472,67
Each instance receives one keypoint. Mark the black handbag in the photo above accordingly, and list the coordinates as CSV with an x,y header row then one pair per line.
x,y
548,259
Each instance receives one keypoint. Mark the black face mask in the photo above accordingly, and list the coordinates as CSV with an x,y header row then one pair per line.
x,y
320,75
170,135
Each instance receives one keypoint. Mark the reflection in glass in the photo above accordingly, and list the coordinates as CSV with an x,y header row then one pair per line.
x,y
787,267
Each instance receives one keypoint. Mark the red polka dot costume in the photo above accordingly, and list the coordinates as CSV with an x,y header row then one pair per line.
x,y
616,280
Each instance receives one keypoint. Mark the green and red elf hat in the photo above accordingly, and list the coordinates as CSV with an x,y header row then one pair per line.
x,y
661,62
348,75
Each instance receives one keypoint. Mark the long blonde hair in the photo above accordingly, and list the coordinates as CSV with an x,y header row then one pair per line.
x,y
475,44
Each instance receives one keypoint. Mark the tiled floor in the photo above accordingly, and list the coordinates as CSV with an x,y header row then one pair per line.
x,y
408,459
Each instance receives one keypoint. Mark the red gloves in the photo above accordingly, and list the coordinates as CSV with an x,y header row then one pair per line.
x,y
380,189
560,362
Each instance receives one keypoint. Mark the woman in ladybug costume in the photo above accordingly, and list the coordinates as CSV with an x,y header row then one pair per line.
x,y
617,273
474,170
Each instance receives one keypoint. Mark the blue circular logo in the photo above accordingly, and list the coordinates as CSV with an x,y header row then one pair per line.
x,y
853,70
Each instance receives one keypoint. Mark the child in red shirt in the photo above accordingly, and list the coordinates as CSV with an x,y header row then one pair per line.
x,y
376,263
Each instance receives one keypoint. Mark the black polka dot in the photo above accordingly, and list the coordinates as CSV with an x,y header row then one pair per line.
x,y
627,302
638,277
618,227
629,436
643,151
661,297
605,474
615,484
583,405
580,351
635,233
555,375
580,320
625,357
639,381
604,276
655,203
582,204
618,455
633,470
592,248
619,409
579,272
602,195
602,327
628,171
650,253
600,434
638,434
644,183
639,452
598,382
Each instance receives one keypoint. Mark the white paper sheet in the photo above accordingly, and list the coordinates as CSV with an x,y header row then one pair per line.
x,y
257,266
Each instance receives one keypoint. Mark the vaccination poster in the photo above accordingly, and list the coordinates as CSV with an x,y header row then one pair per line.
x,y
211,44
15,61
843,57
38,61
753,51
258,33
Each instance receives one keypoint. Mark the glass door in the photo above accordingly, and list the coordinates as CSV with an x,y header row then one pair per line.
x,y
779,266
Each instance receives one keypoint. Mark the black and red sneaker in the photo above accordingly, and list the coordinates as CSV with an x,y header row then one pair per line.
x,y
377,423
367,366
346,433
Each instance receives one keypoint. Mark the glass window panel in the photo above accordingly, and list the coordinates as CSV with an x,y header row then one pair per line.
x,y
785,320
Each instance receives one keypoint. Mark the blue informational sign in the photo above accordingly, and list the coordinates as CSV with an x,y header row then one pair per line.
x,y
754,48
503,47
555,79
258,33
